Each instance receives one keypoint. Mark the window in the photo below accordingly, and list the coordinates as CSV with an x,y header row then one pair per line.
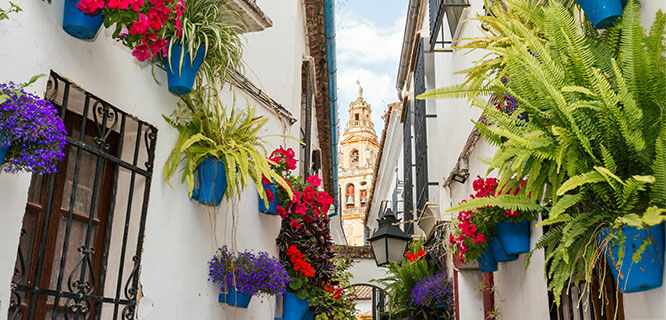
x,y
349,195
364,198
356,116
80,247
438,9
354,157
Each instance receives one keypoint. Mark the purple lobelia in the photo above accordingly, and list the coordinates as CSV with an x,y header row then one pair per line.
x,y
33,130
433,291
248,272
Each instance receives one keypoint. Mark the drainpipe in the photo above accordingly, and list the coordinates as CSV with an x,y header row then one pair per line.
x,y
329,25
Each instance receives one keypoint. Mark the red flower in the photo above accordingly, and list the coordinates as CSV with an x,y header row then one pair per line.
x,y
314,181
141,52
118,4
269,195
282,212
421,253
159,46
411,257
301,209
90,6
264,180
295,224
309,195
140,26
136,5
155,20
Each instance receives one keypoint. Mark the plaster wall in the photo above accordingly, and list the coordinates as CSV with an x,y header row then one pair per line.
x,y
179,237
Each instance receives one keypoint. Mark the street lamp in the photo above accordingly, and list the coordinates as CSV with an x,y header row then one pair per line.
x,y
389,241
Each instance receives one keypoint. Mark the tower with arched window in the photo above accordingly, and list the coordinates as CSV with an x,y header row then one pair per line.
x,y
358,153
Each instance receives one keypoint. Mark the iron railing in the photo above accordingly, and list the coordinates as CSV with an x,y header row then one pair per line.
x,y
67,265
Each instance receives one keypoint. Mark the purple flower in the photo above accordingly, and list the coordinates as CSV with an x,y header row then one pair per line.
x,y
432,291
248,272
33,129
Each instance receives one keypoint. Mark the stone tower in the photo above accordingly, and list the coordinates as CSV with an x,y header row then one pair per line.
x,y
359,149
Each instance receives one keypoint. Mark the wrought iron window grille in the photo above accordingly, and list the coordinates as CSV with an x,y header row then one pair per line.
x,y
79,253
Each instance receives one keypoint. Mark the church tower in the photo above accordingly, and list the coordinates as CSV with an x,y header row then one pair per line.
x,y
359,149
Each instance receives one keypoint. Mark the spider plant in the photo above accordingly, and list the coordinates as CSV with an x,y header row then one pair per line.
x,y
206,23
209,129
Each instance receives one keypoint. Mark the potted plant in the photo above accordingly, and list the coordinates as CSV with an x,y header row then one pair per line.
x,y
245,274
433,292
594,147
602,13
334,300
304,215
32,134
82,18
222,147
282,162
186,34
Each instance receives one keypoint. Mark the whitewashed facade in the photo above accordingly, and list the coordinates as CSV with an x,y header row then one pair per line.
x,y
518,293
180,235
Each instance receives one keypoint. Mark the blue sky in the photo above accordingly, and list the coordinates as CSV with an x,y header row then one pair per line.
x,y
369,36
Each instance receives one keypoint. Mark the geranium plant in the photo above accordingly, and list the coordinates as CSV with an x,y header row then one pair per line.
x,y
247,272
475,227
144,26
434,291
32,129
336,300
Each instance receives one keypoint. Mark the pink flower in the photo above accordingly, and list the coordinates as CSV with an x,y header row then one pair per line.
x,y
136,5
118,4
123,32
313,181
140,26
154,20
159,46
179,28
90,6
309,195
301,209
141,52
282,212
296,196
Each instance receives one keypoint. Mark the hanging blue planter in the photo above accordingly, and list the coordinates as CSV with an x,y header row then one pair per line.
x,y
487,262
636,276
78,24
442,305
602,13
212,182
498,251
309,315
293,308
181,82
272,205
515,237
4,148
222,298
238,299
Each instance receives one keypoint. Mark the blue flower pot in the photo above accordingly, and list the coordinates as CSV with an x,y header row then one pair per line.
x,y
515,237
212,182
222,298
602,13
78,24
272,205
498,251
487,262
3,148
238,299
442,305
636,276
293,308
309,315
181,81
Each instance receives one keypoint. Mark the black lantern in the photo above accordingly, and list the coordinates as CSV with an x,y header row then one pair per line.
x,y
389,241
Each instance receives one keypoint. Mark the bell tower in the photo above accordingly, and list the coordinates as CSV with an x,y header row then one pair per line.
x,y
358,153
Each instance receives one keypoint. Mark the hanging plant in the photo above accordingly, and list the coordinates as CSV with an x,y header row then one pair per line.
x,y
32,133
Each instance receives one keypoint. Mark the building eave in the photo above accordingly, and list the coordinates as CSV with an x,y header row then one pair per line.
x,y
250,15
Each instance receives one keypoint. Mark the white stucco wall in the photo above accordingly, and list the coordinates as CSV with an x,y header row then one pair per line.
x,y
178,237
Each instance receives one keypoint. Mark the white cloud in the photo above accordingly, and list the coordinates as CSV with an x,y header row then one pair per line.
x,y
378,91
361,40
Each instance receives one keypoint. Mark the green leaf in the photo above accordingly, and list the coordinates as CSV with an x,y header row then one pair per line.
x,y
630,219
654,216
580,180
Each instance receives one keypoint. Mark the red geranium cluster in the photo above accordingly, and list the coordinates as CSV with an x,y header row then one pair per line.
x,y
477,226
285,158
150,22
411,257
307,202
335,290
298,259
